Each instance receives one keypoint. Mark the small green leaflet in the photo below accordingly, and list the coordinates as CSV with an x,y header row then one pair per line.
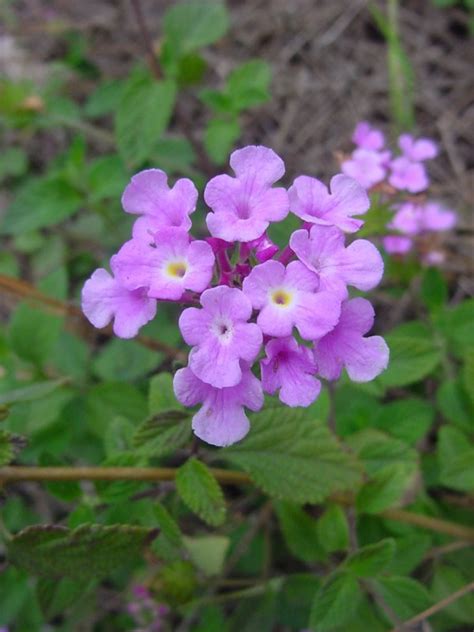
x,y
201,492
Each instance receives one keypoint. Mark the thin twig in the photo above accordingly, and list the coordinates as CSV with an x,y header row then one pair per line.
x,y
77,322
17,473
444,603
147,41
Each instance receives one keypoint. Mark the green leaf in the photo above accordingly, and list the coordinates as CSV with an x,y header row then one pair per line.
x,y
434,291
142,116
90,551
125,360
455,457
161,394
335,602
56,596
414,354
333,530
468,374
371,560
377,450
411,550
201,492
106,178
34,333
164,433
248,84
446,581
406,419
455,405
108,400
385,489
168,526
293,458
219,138
32,391
208,552
300,532
455,323
40,203
404,595
120,491
105,98
189,26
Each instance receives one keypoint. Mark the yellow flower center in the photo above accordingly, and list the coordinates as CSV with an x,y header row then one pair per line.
x,y
281,298
176,269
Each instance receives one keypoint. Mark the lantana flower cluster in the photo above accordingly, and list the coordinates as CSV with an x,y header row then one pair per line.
x,y
403,180
258,319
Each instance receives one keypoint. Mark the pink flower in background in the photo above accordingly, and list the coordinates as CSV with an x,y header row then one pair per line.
x,y
244,206
417,150
287,298
221,335
367,167
437,218
104,299
367,137
397,245
323,252
346,347
407,175
221,420
311,200
407,219
149,195
290,368
172,265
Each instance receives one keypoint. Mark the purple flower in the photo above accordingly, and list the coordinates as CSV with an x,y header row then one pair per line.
x,y
322,251
408,175
417,150
263,248
367,167
436,218
311,200
169,268
104,299
367,137
291,368
222,336
221,419
245,205
149,195
397,245
345,346
287,298
407,219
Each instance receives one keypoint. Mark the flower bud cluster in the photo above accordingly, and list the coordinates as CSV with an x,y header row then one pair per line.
x,y
257,319
402,180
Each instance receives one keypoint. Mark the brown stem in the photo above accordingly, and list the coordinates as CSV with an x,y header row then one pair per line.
x,y
18,473
147,41
444,603
23,290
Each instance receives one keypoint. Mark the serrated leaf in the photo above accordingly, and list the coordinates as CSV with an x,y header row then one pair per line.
x,y
335,602
142,116
192,25
371,560
293,458
404,595
168,526
164,433
110,399
446,581
41,202
300,532
385,488
90,551
333,530
414,354
201,492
